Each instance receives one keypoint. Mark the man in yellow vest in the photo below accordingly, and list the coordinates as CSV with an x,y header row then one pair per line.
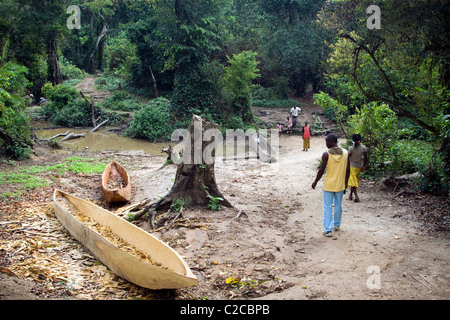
x,y
335,162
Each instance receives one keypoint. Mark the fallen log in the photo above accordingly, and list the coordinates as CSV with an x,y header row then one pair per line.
x,y
73,136
98,127
57,135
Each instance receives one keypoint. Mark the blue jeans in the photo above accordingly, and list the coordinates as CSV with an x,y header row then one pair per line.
x,y
328,199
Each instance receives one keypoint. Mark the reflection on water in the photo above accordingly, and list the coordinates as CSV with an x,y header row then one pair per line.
x,y
102,140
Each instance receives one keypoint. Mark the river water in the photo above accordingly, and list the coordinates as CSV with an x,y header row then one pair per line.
x,y
105,140
101,140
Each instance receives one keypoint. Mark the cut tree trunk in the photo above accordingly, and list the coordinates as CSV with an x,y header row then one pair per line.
x,y
194,181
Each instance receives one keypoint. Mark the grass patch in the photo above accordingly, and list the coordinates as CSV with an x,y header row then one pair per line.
x,y
15,183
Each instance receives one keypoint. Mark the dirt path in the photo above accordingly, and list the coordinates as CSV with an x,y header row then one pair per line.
x,y
87,86
412,265
279,241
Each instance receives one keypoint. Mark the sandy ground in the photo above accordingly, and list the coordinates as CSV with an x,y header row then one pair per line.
x,y
379,253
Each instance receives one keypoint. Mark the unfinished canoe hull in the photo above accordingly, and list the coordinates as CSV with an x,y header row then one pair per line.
x,y
172,271
116,194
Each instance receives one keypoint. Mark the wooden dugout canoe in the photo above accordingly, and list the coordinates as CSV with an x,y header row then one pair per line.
x,y
123,194
172,272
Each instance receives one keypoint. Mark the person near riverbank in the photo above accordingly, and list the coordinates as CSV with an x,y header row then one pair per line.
x,y
356,153
306,133
289,124
294,114
336,163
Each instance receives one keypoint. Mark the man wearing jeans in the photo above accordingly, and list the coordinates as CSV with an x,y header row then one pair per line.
x,y
337,166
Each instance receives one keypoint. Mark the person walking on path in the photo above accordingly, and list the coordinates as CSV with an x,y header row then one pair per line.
x,y
355,155
294,113
306,137
335,162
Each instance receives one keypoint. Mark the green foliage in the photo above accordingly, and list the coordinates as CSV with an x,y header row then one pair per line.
x,y
71,73
275,97
121,56
179,204
411,156
338,111
274,103
120,100
214,203
421,156
281,88
235,123
237,83
377,124
26,179
107,82
193,94
66,107
14,123
82,165
152,122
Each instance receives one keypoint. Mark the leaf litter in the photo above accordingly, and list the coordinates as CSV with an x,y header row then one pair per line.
x,y
38,248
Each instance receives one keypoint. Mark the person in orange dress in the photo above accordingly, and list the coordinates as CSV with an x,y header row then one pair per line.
x,y
306,137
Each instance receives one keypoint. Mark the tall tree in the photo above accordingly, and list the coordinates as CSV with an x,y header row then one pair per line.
x,y
398,63
188,33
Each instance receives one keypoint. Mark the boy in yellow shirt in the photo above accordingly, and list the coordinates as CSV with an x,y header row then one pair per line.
x,y
337,165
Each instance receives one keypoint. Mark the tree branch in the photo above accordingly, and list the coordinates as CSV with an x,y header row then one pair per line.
x,y
393,101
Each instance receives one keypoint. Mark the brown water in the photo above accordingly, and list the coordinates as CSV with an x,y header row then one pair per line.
x,y
101,140
104,140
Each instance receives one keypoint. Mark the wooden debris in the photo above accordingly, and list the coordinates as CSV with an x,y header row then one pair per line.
x,y
73,136
98,127
58,135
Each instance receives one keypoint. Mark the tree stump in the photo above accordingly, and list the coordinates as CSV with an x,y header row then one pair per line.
x,y
195,179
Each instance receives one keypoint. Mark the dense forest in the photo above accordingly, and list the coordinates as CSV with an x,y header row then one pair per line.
x,y
383,73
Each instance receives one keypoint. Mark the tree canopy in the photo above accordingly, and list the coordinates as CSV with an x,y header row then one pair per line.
x,y
210,57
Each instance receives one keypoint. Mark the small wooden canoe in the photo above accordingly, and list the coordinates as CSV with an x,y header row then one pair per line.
x,y
116,183
168,270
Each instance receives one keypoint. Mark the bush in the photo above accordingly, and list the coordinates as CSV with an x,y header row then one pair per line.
x,y
66,107
108,82
71,74
410,156
261,93
234,123
273,103
14,123
152,122
237,83
377,125
281,88
58,96
77,113
120,100
120,56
